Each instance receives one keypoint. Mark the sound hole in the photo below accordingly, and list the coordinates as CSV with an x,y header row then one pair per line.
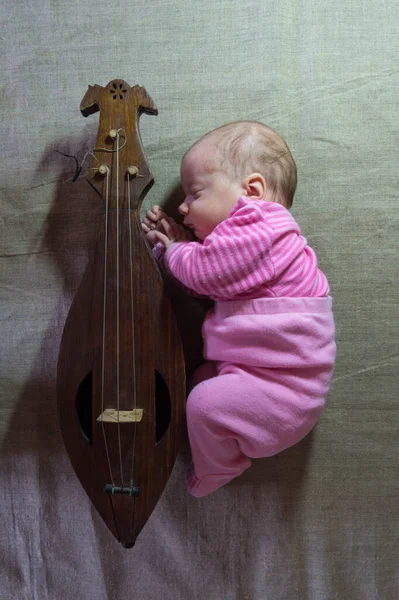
x,y
84,407
117,92
163,407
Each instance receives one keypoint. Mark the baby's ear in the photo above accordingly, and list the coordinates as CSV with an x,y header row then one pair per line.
x,y
254,186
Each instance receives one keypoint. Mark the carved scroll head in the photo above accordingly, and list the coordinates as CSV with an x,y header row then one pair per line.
x,y
114,94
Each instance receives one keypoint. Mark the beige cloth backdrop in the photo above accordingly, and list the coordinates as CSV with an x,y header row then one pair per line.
x,y
320,521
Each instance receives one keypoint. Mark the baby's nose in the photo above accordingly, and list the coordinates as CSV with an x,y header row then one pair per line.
x,y
183,208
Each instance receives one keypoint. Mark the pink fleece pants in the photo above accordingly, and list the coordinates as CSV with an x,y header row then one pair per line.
x,y
238,411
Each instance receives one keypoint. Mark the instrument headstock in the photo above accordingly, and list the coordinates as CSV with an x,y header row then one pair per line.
x,y
118,157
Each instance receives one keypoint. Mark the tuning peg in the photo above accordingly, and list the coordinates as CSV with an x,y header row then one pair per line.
x,y
132,171
102,169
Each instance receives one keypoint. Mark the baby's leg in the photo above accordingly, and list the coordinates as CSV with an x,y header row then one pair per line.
x,y
239,415
216,421
206,370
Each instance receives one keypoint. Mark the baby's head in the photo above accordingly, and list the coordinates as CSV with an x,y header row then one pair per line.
x,y
243,158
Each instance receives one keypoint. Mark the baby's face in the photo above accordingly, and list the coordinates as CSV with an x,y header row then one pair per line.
x,y
210,195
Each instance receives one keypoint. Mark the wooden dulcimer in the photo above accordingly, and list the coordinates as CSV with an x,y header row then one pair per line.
x,y
121,376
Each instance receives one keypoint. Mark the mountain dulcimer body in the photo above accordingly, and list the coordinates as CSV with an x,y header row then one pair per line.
x,y
121,379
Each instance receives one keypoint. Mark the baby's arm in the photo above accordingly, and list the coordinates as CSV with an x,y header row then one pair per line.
x,y
231,261
161,231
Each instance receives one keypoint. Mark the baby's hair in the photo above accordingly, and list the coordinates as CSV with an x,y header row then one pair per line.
x,y
245,147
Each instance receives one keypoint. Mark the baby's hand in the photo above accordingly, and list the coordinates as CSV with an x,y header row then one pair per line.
x,y
153,222
173,233
158,227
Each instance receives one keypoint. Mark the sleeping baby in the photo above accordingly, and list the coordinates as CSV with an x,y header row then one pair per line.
x,y
269,340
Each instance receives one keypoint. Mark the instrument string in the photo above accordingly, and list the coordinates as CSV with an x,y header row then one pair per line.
x,y
90,151
104,316
133,333
120,132
117,302
111,150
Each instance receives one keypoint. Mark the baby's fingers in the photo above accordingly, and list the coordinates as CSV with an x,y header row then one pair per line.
x,y
154,217
150,219
156,214
149,234
169,226
161,237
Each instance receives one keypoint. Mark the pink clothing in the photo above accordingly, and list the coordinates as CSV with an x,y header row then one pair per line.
x,y
258,251
272,333
271,363
269,340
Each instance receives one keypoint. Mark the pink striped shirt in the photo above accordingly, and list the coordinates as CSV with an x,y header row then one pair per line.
x,y
258,251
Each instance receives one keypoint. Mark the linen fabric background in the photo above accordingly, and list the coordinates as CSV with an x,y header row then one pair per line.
x,y
320,521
